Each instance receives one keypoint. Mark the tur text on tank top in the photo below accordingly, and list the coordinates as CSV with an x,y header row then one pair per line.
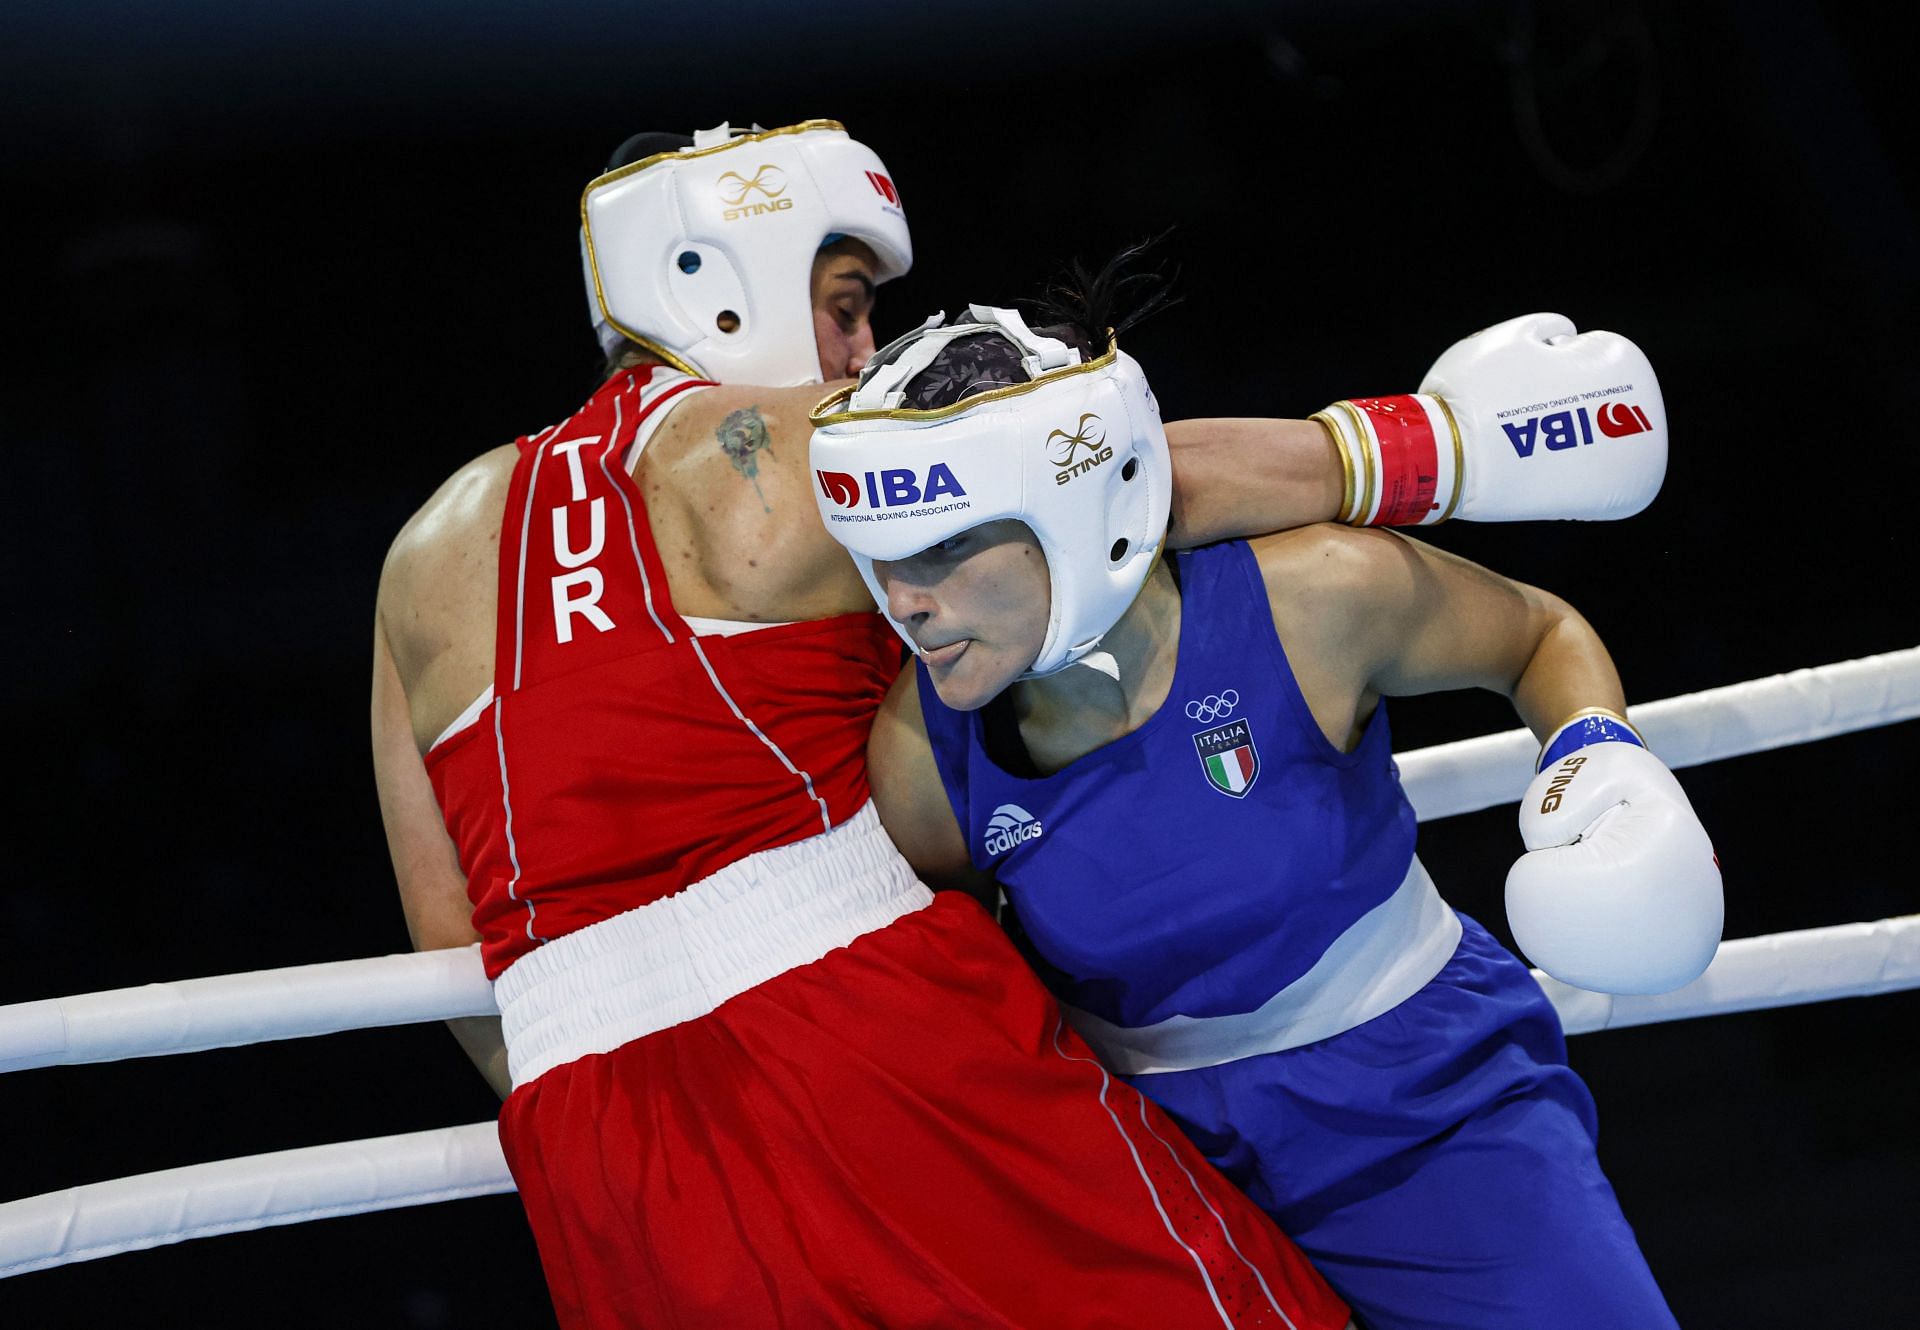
x,y
622,757
1205,861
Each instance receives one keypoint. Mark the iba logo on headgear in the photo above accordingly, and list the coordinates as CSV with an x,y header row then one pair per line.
x,y
770,182
1062,448
895,487
840,488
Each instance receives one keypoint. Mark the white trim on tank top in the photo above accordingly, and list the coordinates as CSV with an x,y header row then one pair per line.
x,y
1383,958
701,628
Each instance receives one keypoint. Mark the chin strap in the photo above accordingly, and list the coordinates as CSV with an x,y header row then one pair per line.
x,y
1101,662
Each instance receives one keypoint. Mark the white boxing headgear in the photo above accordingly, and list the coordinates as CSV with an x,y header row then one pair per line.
x,y
724,232
1077,452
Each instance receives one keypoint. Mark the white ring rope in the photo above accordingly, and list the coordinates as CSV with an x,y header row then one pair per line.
x,y
1685,731
1441,781
1751,973
230,1009
290,1186
258,1191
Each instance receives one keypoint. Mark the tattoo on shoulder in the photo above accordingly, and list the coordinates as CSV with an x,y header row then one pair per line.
x,y
743,437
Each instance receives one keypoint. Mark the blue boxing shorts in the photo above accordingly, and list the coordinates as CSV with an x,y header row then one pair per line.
x,y
1436,1163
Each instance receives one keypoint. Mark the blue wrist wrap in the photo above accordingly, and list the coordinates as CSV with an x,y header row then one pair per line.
x,y
1581,731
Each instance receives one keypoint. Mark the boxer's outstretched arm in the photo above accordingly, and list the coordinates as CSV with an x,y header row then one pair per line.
x,y
1247,477
1499,432
1619,890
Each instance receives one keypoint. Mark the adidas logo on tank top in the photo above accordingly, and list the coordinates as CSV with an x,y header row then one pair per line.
x,y
1009,826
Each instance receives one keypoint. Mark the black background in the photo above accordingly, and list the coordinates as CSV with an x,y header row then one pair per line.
x,y
274,271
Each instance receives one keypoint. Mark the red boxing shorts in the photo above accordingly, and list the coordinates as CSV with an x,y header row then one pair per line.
x,y
901,1133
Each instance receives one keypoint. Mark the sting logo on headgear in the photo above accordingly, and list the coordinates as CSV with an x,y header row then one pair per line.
x,y
1063,448
884,188
769,181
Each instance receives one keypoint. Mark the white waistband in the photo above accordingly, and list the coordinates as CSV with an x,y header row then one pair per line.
x,y
1384,958
677,959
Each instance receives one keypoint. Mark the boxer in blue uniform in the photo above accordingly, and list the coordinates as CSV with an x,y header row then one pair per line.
x,y
1204,838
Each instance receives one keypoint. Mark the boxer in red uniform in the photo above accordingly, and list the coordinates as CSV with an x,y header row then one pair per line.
x,y
759,1075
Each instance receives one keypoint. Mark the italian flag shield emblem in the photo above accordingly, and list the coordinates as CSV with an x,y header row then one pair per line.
x,y
1228,757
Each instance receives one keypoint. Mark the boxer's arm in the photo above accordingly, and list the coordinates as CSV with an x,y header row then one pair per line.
x,y
433,890
1367,612
912,801
1527,419
1619,890
1246,477
1437,621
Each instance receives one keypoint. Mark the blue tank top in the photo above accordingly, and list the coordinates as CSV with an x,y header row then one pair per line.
x,y
1202,863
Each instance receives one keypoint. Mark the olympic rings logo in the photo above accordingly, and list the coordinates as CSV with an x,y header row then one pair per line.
x,y
1214,706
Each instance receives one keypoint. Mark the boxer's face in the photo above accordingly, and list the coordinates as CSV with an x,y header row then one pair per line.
x,y
843,283
976,607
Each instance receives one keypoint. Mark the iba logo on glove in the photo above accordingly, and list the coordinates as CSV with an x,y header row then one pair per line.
x,y
1617,420
1570,429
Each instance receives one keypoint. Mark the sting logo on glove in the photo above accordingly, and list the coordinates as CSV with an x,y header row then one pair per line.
x,y
1557,787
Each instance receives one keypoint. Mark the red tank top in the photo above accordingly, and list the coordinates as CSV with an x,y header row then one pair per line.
x,y
623,758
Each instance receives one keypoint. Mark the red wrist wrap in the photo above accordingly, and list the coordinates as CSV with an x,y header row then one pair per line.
x,y
1409,458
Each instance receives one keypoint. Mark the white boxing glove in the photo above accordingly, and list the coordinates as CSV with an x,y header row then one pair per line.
x,y
1619,891
1524,420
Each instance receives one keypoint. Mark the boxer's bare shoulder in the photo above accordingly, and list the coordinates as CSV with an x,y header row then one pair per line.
x,y
729,496
1331,588
1322,575
439,590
